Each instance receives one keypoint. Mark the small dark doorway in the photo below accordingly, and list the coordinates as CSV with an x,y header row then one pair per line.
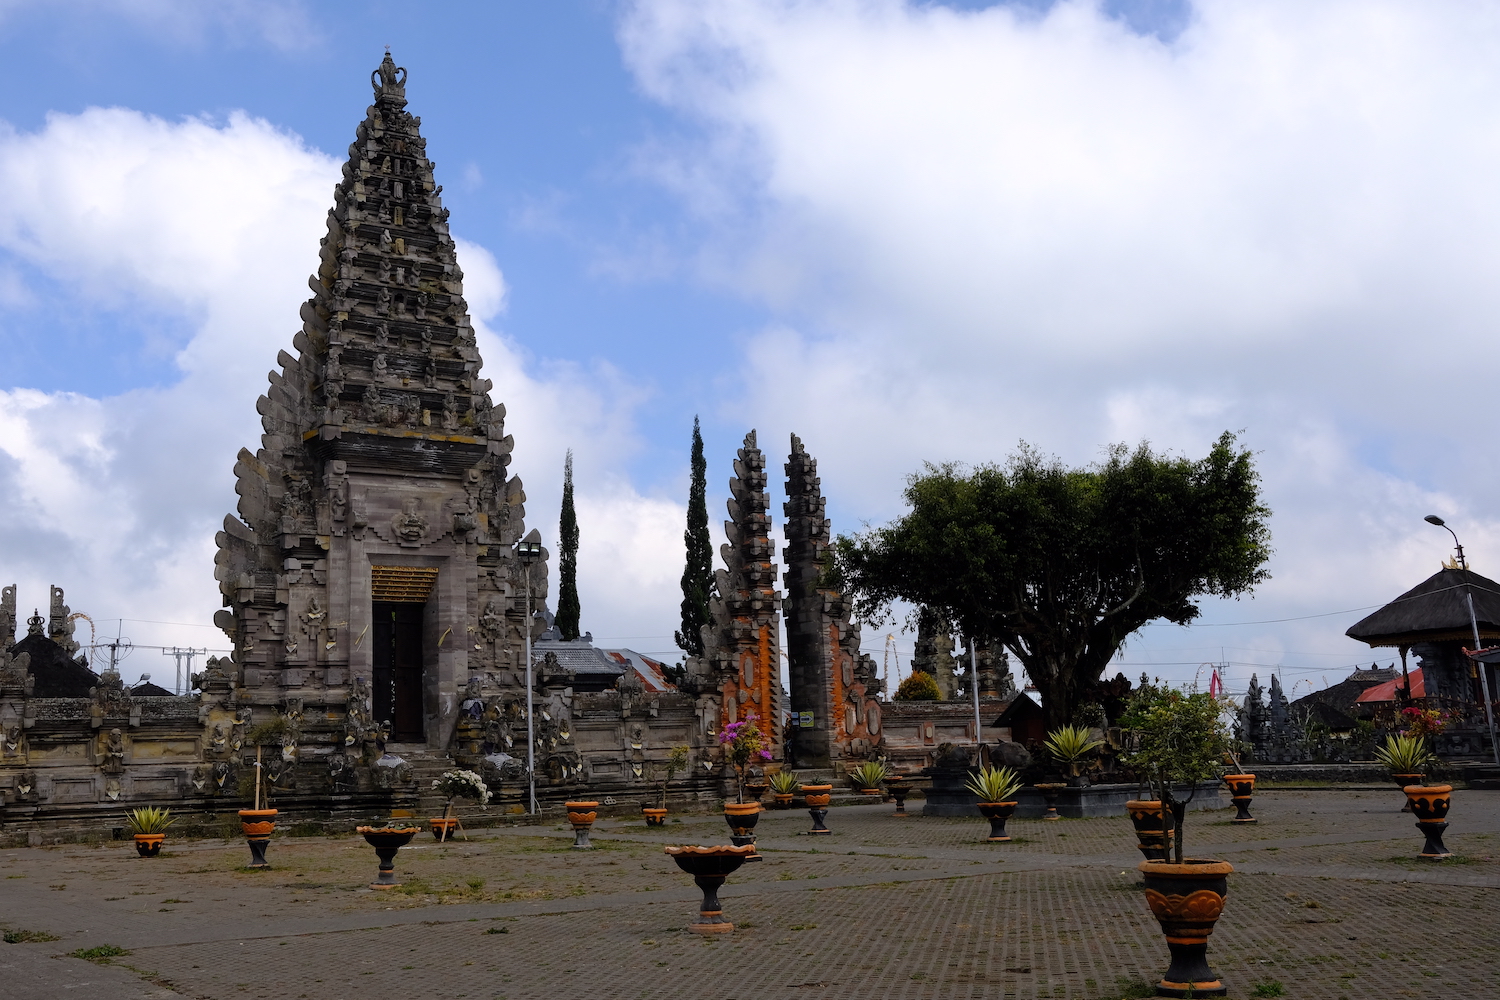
x,y
398,669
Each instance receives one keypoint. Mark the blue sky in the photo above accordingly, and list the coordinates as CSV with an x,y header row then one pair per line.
x,y
905,231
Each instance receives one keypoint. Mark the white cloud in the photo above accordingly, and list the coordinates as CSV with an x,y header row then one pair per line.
x,y
987,225
217,224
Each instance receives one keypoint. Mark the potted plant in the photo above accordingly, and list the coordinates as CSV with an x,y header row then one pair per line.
x,y
783,788
1241,791
259,822
743,744
456,784
1406,755
1177,738
868,776
1071,746
994,786
148,824
677,760
1429,803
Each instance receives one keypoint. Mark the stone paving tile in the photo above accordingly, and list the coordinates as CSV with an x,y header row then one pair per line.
x,y
1338,906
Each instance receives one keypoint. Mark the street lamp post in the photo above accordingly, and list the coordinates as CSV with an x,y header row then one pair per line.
x,y
528,553
1484,672
974,687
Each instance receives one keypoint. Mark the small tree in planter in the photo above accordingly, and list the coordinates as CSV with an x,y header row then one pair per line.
x,y
458,784
677,760
1178,738
743,745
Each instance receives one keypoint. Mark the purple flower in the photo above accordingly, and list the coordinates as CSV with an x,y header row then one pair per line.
x,y
765,755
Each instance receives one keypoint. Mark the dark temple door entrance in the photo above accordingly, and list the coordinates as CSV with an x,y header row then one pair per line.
x,y
398,668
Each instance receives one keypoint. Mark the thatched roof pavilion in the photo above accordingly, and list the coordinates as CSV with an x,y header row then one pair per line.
x,y
1435,610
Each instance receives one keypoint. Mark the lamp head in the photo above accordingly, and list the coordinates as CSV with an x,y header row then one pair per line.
x,y
1434,519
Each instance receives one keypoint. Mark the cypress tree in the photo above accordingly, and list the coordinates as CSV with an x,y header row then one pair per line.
x,y
567,570
698,574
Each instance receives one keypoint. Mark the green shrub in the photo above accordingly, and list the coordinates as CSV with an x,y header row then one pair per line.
x,y
919,686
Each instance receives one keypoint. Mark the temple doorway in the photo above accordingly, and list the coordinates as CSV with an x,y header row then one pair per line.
x,y
398,688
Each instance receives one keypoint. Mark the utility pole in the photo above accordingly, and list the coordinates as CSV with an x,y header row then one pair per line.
x,y
180,655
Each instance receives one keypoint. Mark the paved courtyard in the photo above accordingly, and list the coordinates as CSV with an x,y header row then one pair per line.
x,y
1328,901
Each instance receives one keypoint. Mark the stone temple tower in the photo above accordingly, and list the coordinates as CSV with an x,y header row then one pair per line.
x,y
370,577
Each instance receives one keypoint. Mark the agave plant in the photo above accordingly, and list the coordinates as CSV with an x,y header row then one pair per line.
x,y
1404,754
149,819
1071,744
783,783
994,784
869,774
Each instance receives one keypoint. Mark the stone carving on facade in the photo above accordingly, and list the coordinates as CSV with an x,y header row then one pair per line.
x,y
60,626
110,751
8,620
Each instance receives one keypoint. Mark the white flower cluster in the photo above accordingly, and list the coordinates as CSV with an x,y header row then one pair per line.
x,y
462,784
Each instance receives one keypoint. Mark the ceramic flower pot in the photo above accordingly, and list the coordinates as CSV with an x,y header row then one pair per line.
x,y
1241,789
896,785
755,789
1050,791
817,798
997,813
710,866
1186,900
741,817
257,825
654,816
1152,841
582,816
442,827
387,840
1429,803
782,800
148,845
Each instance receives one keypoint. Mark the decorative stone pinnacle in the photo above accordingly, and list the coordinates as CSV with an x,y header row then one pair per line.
x,y
386,82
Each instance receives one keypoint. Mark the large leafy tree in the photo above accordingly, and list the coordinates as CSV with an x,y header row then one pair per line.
x,y
1062,565
698,572
568,609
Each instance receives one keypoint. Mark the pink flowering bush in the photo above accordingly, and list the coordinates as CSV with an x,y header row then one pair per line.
x,y
743,745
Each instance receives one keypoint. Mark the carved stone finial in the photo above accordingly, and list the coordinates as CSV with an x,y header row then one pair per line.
x,y
34,624
386,81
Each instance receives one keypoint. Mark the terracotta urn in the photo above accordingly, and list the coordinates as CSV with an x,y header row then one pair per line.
x,y
655,816
742,817
582,816
1186,900
148,845
997,813
257,825
1429,803
710,866
1153,842
782,800
1050,790
755,789
387,840
817,798
1241,789
442,827
897,787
